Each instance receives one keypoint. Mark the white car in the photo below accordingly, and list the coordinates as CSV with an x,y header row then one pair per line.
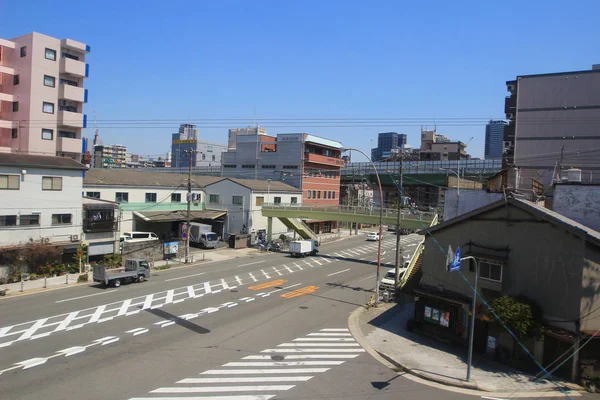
x,y
373,237
387,282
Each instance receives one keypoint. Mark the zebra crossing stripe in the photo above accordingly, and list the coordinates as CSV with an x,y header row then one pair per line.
x,y
264,371
244,397
279,363
253,379
205,389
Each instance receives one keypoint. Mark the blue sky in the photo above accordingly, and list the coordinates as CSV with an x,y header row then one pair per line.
x,y
165,63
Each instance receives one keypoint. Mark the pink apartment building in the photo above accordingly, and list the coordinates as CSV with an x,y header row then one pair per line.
x,y
42,95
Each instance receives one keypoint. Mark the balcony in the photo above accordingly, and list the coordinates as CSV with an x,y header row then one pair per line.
x,y
8,124
510,105
73,119
319,159
74,45
7,70
7,97
68,145
72,67
72,93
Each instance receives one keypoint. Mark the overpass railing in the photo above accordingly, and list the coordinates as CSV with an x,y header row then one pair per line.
x,y
356,210
484,167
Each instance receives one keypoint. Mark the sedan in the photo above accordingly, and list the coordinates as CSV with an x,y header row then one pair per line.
x,y
373,237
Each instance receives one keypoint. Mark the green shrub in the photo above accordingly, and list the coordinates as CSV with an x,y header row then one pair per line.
x,y
82,278
73,269
163,267
33,277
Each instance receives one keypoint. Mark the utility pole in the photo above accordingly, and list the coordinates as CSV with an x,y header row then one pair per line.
x,y
399,253
189,203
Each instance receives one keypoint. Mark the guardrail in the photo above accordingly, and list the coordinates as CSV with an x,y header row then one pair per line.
x,y
356,210
490,166
412,263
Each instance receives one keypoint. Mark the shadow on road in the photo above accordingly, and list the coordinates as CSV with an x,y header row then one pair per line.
x,y
179,321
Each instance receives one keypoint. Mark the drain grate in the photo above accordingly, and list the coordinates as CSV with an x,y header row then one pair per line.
x,y
277,357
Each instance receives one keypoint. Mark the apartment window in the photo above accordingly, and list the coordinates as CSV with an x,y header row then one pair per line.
x,y
175,197
314,194
9,182
203,156
248,166
8,220
150,197
290,167
70,56
47,134
490,270
16,80
294,200
48,108
308,196
68,82
122,197
328,194
213,157
49,81
213,198
67,134
23,51
277,200
50,54
93,195
15,107
61,219
268,166
229,166
318,194
260,200
14,133
52,183
239,200
33,219
333,195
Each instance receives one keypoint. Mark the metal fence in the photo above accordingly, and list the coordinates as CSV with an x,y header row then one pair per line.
x,y
484,167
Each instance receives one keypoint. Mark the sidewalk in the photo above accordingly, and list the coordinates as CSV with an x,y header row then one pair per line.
x,y
384,330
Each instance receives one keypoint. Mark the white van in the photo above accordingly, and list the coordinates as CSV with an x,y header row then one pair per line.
x,y
138,236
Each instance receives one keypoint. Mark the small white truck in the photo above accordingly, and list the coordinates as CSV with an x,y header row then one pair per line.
x,y
300,248
201,234
134,271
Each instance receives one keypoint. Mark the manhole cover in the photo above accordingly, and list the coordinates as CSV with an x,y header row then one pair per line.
x,y
234,290
303,307
277,358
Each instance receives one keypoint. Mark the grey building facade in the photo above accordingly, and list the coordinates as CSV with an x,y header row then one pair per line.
x,y
494,138
206,153
553,121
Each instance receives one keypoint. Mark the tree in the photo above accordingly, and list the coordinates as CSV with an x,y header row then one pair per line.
x,y
33,257
522,316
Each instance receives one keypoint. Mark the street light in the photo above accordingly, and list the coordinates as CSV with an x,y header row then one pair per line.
x,y
376,302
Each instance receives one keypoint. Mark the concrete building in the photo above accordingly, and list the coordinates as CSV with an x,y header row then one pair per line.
x,y
494,138
578,201
307,162
206,153
100,231
436,147
522,250
387,144
110,156
235,132
553,125
41,200
42,95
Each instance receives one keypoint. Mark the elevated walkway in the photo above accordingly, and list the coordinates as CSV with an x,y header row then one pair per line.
x,y
299,227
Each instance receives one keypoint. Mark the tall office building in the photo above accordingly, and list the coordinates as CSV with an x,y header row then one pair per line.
x,y
42,95
387,142
206,153
494,138
553,126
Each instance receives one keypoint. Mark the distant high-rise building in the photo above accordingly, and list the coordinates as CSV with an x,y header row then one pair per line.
x,y
42,95
110,156
206,154
494,137
235,132
386,143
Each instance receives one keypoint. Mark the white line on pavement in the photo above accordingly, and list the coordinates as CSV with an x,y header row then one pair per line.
x,y
82,297
183,277
303,344
264,371
305,356
313,351
252,263
324,339
204,389
368,277
339,272
335,330
335,334
252,379
279,363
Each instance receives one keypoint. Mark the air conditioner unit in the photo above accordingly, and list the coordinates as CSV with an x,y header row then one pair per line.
x,y
510,115
74,238
510,88
46,240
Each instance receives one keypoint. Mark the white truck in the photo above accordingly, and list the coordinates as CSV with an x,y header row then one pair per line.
x,y
300,248
203,235
134,271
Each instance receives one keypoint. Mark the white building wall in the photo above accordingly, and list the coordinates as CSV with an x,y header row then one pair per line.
x,y
468,200
581,203
31,199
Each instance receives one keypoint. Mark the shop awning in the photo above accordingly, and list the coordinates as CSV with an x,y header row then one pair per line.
x,y
179,215
449,296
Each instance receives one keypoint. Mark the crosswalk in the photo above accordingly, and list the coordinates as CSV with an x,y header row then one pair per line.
x,y
44,327
262,376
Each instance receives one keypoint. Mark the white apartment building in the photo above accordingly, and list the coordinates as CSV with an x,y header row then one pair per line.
x,y
41,200
235,132
42,95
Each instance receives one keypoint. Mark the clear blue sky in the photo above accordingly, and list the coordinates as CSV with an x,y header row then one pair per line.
x,y
195,60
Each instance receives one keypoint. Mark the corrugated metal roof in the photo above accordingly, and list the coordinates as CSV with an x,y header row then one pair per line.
x,y
125,177
28,160
179,215
263,186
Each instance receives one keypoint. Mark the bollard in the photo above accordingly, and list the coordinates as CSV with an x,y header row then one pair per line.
x,y
192,259
45,286
67,279
21,284
203,256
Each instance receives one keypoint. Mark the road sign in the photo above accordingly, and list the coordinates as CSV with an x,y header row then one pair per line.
x,y
454,265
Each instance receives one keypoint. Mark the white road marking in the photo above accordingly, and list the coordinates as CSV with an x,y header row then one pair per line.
x,y
241,397
225,285
238,280
184,277
169,298
279,363
265,274
318,344
315,260
277,271
32,362
83,297
208,389
141,332
148,301
29,332
66,321
169,323
124,307
252,277
252,263
72,351
111,341
253,379
6,344
75,327
288,268
249,300
134,330
264,371
210,310
367,278
105,319
179,301
325,260
191,291
329,334
335,330
313,350
324,339
305,356
40,335
207,288
244,298
339,272
232,305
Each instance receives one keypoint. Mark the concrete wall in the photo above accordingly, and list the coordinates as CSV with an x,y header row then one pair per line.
x,y
31,199
544,263
591,289
152,250
580,203
469,200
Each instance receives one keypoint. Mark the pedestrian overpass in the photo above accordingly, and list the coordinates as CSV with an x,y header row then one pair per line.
x,y
293,214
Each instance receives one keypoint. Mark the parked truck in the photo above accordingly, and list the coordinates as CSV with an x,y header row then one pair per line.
x,y
300,248
203,235
134,271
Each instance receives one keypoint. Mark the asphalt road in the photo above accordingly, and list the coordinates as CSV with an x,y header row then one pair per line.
x,y
253,328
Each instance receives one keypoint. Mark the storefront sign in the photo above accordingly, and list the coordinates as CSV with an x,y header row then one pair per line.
x,y
171,247
184,141
445,319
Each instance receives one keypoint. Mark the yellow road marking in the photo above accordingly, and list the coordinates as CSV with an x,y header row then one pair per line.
x,y
300,292
267,284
